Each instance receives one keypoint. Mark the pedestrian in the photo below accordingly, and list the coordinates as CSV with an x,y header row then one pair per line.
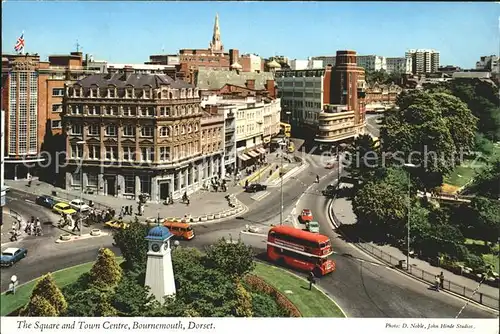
x,y
246,184
131,210
441,280
13,236
122,211
437,282
139,209
317,178
76,225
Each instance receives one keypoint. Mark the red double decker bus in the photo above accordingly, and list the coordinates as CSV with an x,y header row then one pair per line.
x,y
300,249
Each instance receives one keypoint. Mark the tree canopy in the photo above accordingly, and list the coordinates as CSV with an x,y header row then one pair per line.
x,y
363,158
133,245
232,258
47,289
429,130
38,306
105,272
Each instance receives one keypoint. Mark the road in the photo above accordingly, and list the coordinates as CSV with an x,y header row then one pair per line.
x,y
371,124
362,289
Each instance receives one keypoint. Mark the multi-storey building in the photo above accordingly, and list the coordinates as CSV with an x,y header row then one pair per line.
x,y
327,60
101,66
488,63
381,97
251,63
401,65
257,120
137,133
306,93
23,121
372,63
423,60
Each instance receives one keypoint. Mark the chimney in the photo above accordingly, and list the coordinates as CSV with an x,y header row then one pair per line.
x,y
234,55
271,88
250,83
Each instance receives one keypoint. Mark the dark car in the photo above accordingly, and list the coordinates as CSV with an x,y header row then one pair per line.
x,y
253,188
46,201
330,191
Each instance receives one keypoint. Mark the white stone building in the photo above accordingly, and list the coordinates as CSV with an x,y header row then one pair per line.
x,y
399,64
372,62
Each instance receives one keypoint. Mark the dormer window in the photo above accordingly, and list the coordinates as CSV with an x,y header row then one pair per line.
x,y
77,91
129,93
94,92
147,93
111,92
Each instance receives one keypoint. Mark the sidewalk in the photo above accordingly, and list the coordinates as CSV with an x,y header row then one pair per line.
x,y
342,209
202,203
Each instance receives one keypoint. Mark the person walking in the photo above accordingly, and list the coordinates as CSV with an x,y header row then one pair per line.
x,y
441,280
131,209
317,178
437,282
122,211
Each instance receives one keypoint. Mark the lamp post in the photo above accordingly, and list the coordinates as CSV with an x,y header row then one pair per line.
x,y
408,165
82,142
338,162
281,183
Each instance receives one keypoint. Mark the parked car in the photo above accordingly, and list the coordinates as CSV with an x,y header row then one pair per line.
x,y
306,216
312,227
45,201
62,207
12,255
78,205
255,187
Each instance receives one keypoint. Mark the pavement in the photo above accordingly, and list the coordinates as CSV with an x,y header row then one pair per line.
x,y
361,288
342,207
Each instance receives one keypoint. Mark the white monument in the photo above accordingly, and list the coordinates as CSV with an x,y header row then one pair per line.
x,y
159,270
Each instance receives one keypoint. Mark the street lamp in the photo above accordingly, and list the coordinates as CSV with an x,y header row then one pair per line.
x,y
281,183
338,162
408,165
81,142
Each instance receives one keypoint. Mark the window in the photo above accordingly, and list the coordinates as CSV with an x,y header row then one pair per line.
x,y
92,180
76,129
147,131
111,130
165,111
76,151
94,130
111,153
129,111
94,110
195,127
147,94
145,184
94,152
76,179
56,124
57,91
56,107
111,92
150,111
164,131
129,92
164,153
94,92
77,110
129,131
183,129
189,128
147,154
129,184
128,153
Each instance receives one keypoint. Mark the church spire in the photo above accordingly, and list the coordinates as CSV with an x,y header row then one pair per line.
x,y
216,44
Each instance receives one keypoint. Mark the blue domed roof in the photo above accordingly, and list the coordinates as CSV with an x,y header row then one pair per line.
x,y
159,233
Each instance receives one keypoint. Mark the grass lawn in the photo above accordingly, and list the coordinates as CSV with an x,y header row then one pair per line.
x,y
9,303
310,303
462,174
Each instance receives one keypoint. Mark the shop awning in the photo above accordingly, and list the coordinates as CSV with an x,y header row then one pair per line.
x,y
253,154
262,150
243,157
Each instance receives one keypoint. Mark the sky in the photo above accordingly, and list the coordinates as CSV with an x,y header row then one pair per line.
x,y
128,32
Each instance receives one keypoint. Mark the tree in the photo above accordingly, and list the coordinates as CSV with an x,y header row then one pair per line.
x,y
38,307
363,158
486,181
483,145
91,302
486,214
105,272
47,288
232,258
382,205
133,245
130,297
429,130
243,307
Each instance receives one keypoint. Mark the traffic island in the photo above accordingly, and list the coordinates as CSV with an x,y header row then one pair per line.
x,y
94,233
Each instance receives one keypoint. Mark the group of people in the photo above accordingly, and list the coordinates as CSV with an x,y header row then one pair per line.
x,y
439,282
219,184
33,227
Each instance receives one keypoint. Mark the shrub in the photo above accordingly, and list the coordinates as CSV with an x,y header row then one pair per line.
x,y
47,288
476,263
105,272
260,285
265,306
38,307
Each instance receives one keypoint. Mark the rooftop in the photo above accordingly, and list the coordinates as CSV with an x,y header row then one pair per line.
x,y
135,79
159,232
213,80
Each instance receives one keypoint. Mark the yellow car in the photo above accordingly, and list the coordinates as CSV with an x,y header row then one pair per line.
x,y
61,208
116,223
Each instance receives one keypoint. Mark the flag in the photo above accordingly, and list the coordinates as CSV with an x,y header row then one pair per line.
x,y
20,43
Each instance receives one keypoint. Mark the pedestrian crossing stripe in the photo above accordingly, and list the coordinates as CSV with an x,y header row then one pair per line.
x,y
260,196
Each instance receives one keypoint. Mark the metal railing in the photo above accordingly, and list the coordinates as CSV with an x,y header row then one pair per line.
x,y
65,197
478,297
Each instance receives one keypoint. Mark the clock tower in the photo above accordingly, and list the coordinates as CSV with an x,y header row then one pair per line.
x,y
159,270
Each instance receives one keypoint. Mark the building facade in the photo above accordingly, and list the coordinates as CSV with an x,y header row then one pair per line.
x,y
136,134
305,94
327,60
381,97
488,63
372,63
399,65
423,60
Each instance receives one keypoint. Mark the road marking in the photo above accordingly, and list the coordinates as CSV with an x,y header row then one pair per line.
x,y
29,201
255,234
260,196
